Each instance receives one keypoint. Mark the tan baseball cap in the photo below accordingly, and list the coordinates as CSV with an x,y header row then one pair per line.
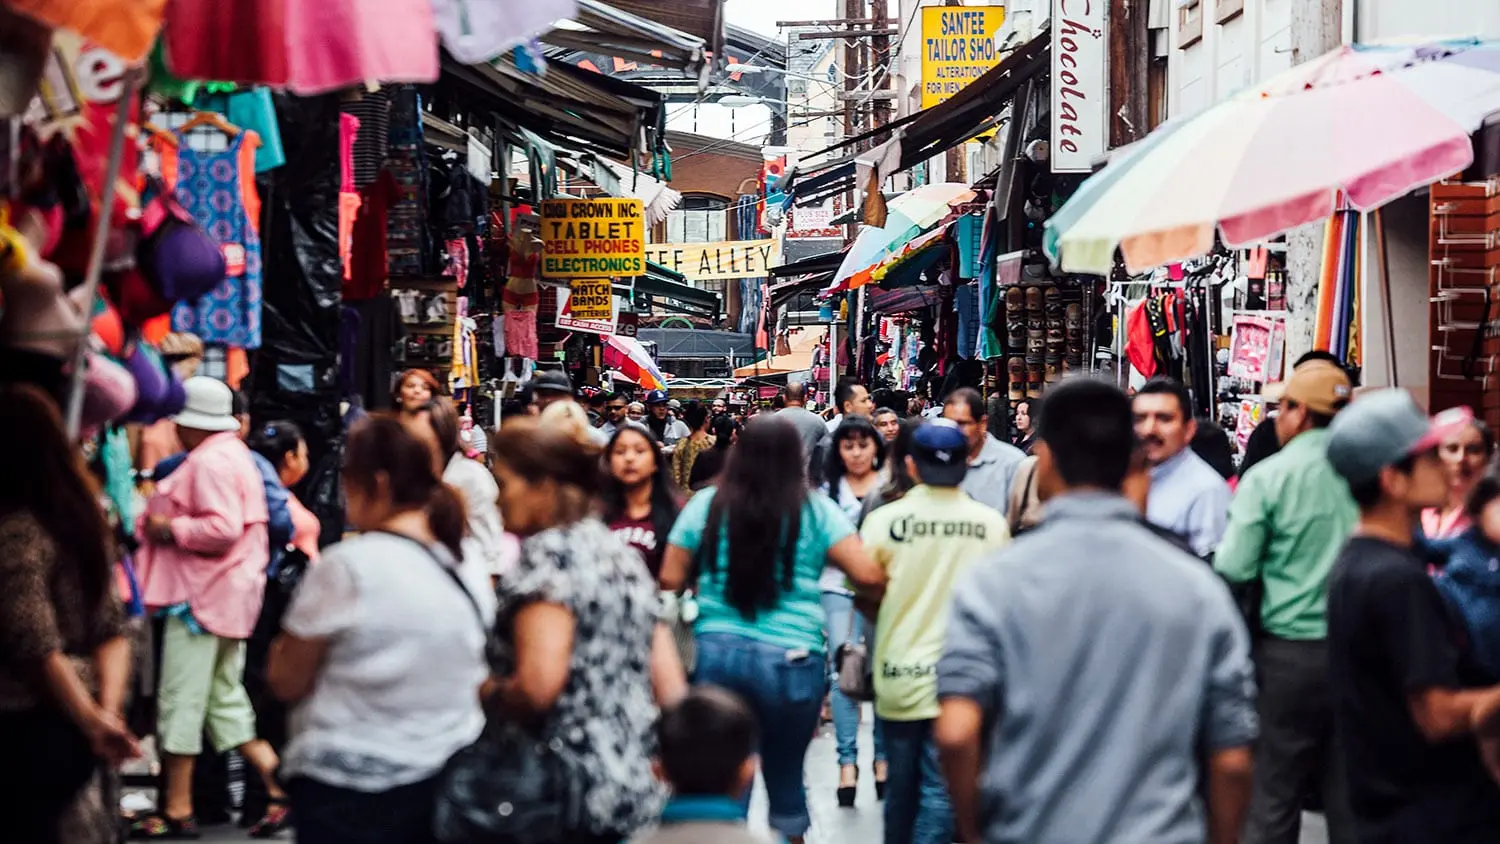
x,y
1319,386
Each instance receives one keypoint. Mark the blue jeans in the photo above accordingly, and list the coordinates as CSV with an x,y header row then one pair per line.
x,y
785,690
838,608
917,810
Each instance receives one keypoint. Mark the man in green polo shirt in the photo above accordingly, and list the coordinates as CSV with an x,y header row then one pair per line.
x,y
924,541
1287,523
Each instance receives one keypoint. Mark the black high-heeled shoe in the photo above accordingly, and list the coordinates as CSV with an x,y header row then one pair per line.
x,y
879,783
847,792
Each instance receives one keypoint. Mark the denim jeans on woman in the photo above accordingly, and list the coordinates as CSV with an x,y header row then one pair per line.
x,y
839,608
785,690
917,809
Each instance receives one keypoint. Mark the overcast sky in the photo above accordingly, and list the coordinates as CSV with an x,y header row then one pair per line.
x,y
762,15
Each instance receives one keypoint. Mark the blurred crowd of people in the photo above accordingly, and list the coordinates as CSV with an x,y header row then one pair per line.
x,y
600,625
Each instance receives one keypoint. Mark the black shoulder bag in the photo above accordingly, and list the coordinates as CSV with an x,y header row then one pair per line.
x,y
511,786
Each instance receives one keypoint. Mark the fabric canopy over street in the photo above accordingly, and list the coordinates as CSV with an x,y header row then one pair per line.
x,y
926,133
611,30
566,106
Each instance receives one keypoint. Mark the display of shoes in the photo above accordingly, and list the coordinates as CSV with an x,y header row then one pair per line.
x,y
1017,370
1054,369
1036,344
1015,319
1034,380
1034,307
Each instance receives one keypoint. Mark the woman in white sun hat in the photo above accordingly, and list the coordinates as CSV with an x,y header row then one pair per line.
x,y
203,559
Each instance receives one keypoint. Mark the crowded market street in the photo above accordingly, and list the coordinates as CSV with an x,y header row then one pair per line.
x,y
750,421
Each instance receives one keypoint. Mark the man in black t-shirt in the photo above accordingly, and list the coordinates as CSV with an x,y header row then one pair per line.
x,y
1406,704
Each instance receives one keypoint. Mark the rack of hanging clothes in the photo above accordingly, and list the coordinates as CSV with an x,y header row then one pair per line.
x,y
1170,323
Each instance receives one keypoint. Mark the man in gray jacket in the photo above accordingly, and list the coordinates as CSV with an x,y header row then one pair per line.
x,y
707,755
1093,673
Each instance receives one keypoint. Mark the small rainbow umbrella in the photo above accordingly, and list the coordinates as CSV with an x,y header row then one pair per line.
x,y
633,361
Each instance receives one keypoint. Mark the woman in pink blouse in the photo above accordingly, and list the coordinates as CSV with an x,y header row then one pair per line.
x,y
203,560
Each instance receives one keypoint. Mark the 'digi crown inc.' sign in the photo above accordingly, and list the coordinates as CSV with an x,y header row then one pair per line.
x,y
593,238
1080,88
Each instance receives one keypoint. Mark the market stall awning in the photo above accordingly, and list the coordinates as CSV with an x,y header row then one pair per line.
x,y
825,263
612,29
702,18
566,106
905,299
928,132
794,362
670,291
784,292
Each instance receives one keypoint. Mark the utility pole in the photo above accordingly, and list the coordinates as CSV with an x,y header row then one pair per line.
x,y
1129,67
880,63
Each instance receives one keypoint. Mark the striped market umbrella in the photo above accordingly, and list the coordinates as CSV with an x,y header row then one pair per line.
x,y
1368,123
627,355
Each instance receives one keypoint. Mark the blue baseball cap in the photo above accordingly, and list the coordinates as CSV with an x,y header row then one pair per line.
x,y
656,397
941,452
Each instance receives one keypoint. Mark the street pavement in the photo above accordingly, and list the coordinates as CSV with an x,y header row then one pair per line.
x,y
831,825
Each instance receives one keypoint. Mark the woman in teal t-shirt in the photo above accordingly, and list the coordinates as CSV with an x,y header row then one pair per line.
x,y
759,542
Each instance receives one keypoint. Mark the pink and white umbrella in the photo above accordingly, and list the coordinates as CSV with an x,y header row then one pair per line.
x,y
1369,123
627,355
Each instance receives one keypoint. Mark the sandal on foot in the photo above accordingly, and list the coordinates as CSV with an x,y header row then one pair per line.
x,y
159,827
278,817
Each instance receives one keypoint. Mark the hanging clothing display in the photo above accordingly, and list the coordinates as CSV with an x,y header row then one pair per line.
x,y
373,110
368,267
349,200
218,189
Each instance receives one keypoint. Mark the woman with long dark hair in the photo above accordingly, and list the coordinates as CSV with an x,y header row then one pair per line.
x,y
696,416
382,650
577,646
67,661
710,463
856,456
640,502
760,540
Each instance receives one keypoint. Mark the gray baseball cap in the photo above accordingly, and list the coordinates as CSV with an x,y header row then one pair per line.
x,y
1384,427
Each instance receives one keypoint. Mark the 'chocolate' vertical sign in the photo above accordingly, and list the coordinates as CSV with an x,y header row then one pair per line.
x,y
1080,84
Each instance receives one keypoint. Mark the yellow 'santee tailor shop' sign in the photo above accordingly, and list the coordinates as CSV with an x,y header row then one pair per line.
x,y
593,238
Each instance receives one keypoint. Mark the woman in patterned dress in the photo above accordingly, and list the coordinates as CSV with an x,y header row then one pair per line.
x,y
578,647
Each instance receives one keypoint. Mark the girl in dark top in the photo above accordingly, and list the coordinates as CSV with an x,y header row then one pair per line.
x,y
708,465
66,661
640,500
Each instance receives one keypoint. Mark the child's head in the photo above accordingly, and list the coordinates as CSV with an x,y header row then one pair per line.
x,y
1484,507
707,744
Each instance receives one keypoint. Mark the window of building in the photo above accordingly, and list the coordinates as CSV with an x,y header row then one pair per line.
x,y
1189,24
699,219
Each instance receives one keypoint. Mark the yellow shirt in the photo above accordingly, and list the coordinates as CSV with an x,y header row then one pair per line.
x,y
924,541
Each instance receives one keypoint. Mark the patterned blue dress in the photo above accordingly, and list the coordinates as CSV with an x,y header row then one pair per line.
x,y
214,187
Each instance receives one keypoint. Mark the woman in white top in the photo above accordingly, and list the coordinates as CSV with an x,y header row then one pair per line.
x,y
486,544
856,457
382,651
